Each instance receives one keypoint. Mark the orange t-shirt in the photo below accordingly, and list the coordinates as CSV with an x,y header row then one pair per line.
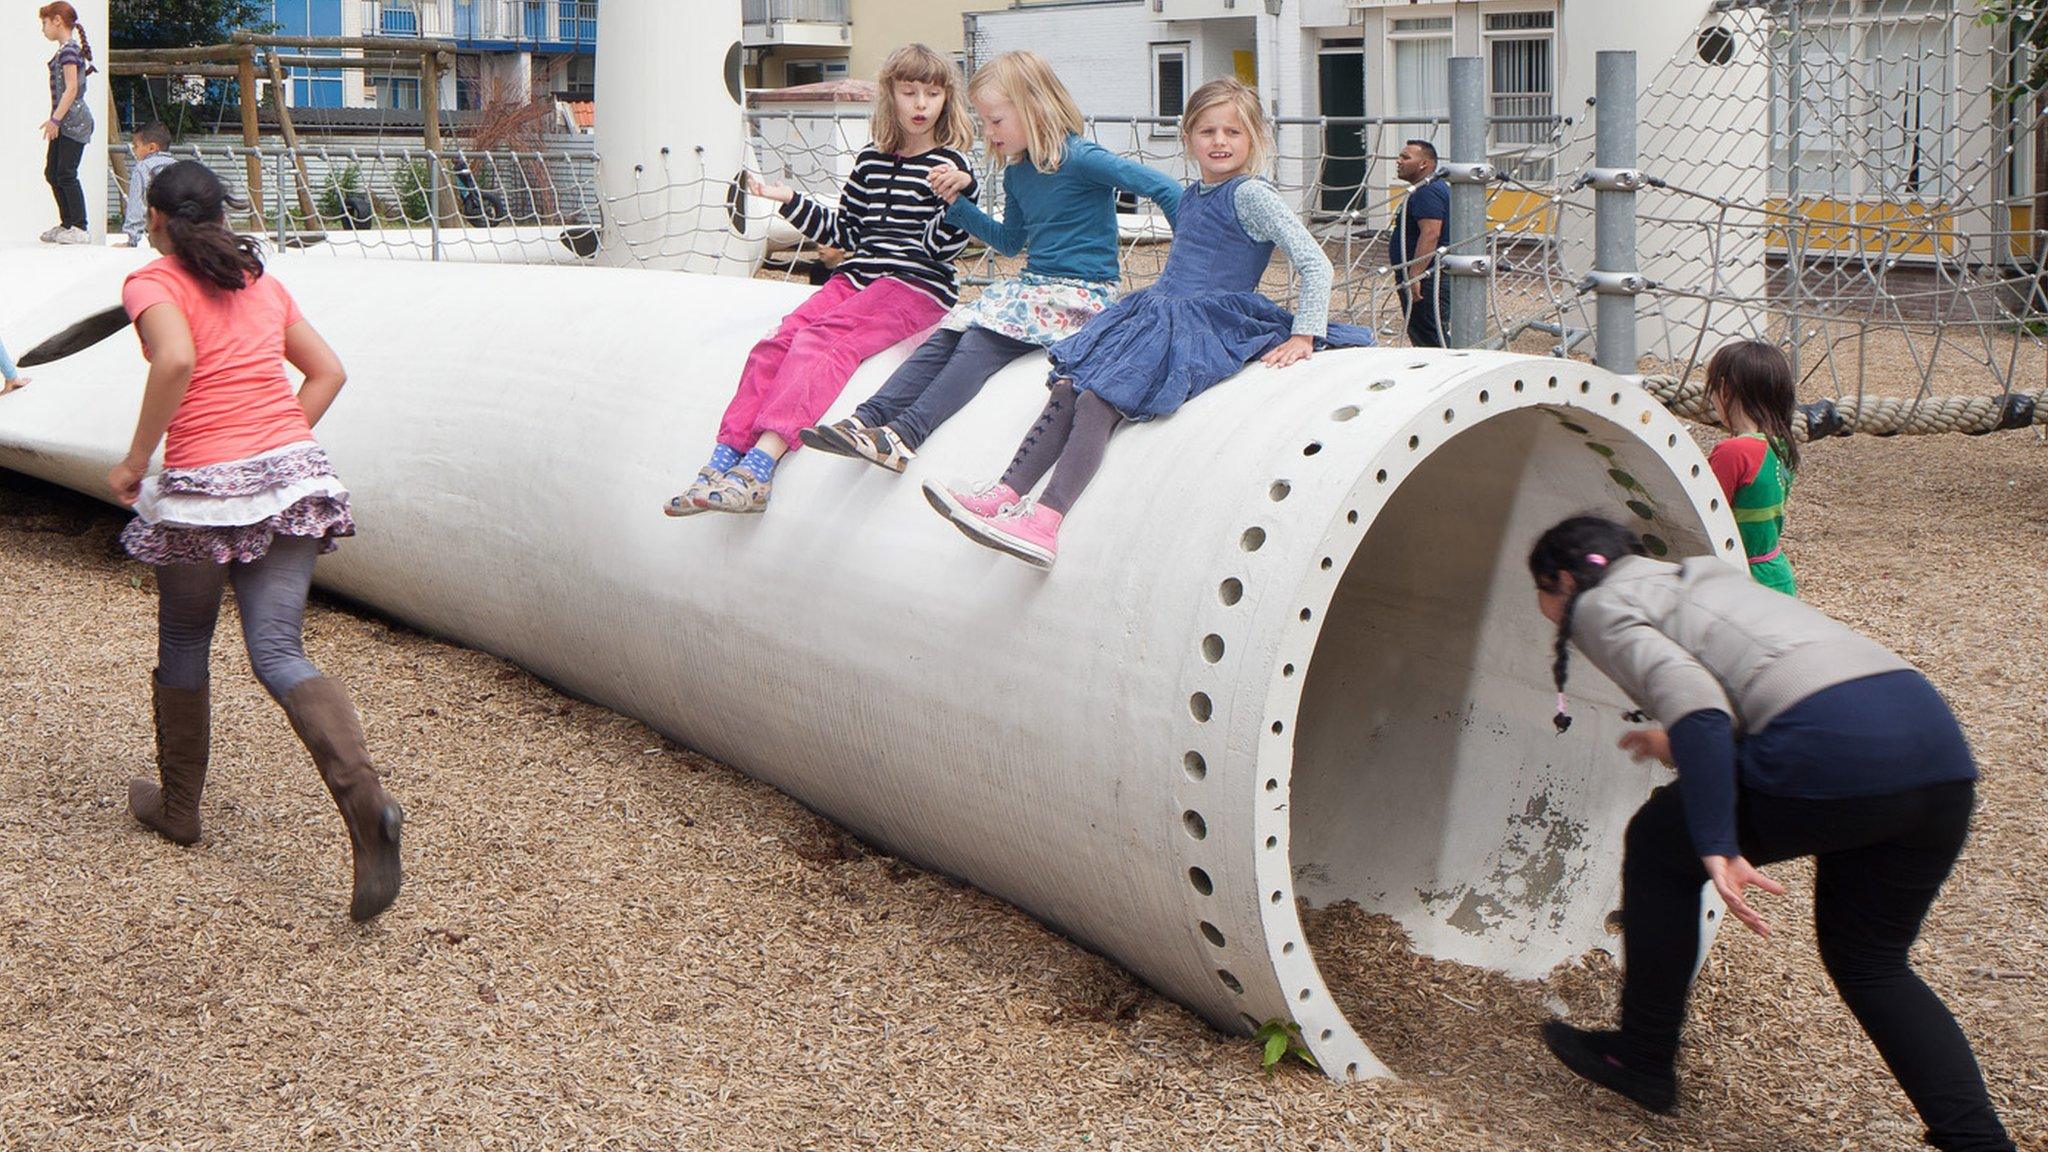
x,y
240,403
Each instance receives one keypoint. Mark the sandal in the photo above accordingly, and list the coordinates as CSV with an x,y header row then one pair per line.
x,y
696,498
738,491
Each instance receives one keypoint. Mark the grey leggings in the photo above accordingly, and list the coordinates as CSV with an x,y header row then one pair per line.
x,y
271,594
1072,431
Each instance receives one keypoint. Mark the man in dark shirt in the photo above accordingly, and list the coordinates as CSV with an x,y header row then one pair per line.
x,y
1418,232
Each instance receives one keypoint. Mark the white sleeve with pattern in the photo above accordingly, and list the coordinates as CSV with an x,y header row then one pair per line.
x,y
1266,217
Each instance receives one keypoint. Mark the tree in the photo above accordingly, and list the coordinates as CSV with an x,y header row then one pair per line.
x,y
171,24
179,23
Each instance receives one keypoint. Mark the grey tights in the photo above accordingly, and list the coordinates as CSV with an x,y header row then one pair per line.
x,y
1073,432
271,594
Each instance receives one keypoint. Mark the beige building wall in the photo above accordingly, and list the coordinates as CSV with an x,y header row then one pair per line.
x,y
880,26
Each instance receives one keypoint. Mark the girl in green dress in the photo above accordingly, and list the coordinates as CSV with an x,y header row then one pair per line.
x,y
1749,384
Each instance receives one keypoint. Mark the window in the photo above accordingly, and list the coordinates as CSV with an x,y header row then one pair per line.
x,y
797,72
1421,49
1169,85
1874,105
395,92
398,18
1521,91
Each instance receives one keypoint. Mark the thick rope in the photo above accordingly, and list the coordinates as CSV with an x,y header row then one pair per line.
x,y
1876,415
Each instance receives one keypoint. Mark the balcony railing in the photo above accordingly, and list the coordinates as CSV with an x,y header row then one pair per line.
x,y
488,21
796,11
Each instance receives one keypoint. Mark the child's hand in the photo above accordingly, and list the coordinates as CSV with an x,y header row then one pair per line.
x,y
948,182
1647,744
780,193
49,130
1293,349
126,481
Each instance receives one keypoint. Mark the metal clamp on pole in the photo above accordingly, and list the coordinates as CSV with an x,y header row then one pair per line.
x,y
1614,179
1467,171
1466,265
1615,283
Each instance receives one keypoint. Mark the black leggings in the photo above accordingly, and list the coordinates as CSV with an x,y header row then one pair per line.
x,y
938,380
1071,431
61,170
1879,861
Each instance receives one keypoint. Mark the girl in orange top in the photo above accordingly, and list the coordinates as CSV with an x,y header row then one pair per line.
x,y
246,497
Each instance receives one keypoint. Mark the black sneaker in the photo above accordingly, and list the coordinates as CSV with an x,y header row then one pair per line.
x,y
1592,1056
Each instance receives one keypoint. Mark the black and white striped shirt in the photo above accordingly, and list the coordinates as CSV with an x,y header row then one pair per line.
x,y
888,221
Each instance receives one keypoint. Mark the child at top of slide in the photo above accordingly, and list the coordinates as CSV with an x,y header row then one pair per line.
x,y
1059,208
896,281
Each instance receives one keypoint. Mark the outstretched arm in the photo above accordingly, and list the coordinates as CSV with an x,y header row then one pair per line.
x,y
1111,170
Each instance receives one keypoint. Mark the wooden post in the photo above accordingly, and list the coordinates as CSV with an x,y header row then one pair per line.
x,y
291,136
443,198
245,69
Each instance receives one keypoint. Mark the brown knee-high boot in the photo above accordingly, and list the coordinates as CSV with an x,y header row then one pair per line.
x,y
170,808
321,714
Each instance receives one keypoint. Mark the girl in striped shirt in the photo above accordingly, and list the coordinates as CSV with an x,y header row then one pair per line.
x,y
896,282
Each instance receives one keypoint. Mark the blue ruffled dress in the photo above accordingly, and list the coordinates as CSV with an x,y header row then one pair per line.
x,y
1200,323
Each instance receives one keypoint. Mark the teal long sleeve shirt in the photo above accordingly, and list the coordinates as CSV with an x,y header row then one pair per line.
x,y
1066,220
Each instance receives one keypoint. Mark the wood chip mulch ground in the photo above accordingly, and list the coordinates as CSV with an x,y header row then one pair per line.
x,y
608,942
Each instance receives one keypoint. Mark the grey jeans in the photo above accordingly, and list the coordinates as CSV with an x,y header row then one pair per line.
x,y
271,595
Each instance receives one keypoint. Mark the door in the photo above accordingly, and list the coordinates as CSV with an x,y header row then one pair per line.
x,y
1341,81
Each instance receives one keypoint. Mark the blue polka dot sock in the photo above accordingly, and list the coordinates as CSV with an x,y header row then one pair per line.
x,y
723,458
759,465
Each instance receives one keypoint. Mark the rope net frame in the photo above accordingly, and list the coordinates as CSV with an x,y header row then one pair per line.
x,y
1846,178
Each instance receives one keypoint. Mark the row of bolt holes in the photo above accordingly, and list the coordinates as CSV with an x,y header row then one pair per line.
x,y
1230,592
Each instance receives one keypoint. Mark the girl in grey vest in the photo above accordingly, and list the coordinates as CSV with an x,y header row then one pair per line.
x,y
1792,735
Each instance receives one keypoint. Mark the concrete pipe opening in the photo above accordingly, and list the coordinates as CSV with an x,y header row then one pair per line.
x,y
1407,761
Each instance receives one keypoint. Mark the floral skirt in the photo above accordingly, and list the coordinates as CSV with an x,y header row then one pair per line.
x,y
1036,309
229,512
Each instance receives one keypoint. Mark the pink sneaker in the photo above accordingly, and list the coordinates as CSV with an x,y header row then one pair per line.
x,y
960,505
1030,532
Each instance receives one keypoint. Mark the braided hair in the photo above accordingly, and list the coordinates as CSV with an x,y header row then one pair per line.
x,y
1583,547
195,206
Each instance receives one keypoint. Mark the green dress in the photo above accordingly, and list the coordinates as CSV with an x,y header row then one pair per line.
x,y
1759,507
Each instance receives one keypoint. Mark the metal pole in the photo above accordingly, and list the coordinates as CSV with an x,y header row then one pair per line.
x,y
1614,212
1795,232
433,204
1465,234
283,161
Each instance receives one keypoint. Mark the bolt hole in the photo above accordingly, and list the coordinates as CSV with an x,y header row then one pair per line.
x,y
1229,981
1196,826
1348,412
1287,669
1212,934
1450,414
1714,505
1212,648
1201,881
1304,994
1305,615
1194,765
1351,1071
1695,471
1230,591
1414,442
1272,784
1252,540
1518,385
1585,387
1615,398
1380,476
1277,896
1199,707
1272,841
1278,727
1279,490
1671,441
1328,563
1351,517
1312,447
1327,1033
1484,396
1287,949
1553,381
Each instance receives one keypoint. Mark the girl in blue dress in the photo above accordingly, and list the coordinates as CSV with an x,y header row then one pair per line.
x,y
1159,347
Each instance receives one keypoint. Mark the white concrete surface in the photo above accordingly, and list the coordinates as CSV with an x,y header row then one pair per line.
x,y
1289,653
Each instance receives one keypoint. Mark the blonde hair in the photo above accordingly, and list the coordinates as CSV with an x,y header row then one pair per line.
x,y
917,64
1230,92
1045,110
